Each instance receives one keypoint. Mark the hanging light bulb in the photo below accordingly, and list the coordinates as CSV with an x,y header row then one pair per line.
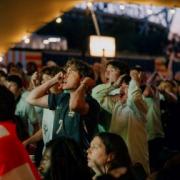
x,y
59,20
27,41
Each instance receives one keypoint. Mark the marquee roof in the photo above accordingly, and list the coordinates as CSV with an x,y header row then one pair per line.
x,y
22,17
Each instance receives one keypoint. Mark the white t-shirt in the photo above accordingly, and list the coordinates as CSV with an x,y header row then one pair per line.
x,y
47,125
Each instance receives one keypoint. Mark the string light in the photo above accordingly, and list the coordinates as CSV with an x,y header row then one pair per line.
x,y
46,41
58,20
25,37
150,12
27,41
1,58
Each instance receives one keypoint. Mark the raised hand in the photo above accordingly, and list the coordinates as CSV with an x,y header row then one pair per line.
x,y
35,79
58,78
119,80
135,75
88,82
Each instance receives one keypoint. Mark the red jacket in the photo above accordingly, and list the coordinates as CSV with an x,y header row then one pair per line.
x,y
15,163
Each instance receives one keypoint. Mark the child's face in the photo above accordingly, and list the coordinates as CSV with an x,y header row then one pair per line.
x,y
13,87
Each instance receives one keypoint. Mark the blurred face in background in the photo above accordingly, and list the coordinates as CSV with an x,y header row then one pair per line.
x,y
14,88
45,78
111,74
167,86
54,89
2,80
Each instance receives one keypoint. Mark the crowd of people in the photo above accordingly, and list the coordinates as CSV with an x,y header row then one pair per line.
x,y
81,121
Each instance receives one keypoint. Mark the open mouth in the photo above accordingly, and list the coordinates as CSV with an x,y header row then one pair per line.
x,y
121,94
107,79
64,81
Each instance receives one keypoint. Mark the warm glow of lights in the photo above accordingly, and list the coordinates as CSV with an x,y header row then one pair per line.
x,y
27,41
102,46
89,4
58,20
1,58
25,37
54,39
46,41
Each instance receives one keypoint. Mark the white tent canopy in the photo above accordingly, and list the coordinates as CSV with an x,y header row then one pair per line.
x,y
19,18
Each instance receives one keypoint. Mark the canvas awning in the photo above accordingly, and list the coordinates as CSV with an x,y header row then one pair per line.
x,y
21,17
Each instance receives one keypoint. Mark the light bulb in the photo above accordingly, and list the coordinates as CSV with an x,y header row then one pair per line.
x,y
58,20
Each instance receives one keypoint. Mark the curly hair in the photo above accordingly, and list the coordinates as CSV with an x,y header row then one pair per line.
x,y
83,68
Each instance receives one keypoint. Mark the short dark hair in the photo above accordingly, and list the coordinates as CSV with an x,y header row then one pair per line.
x,y
16,79
7,104
3,74
84,69
126,79
52,70
137,68
31,68
123,67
